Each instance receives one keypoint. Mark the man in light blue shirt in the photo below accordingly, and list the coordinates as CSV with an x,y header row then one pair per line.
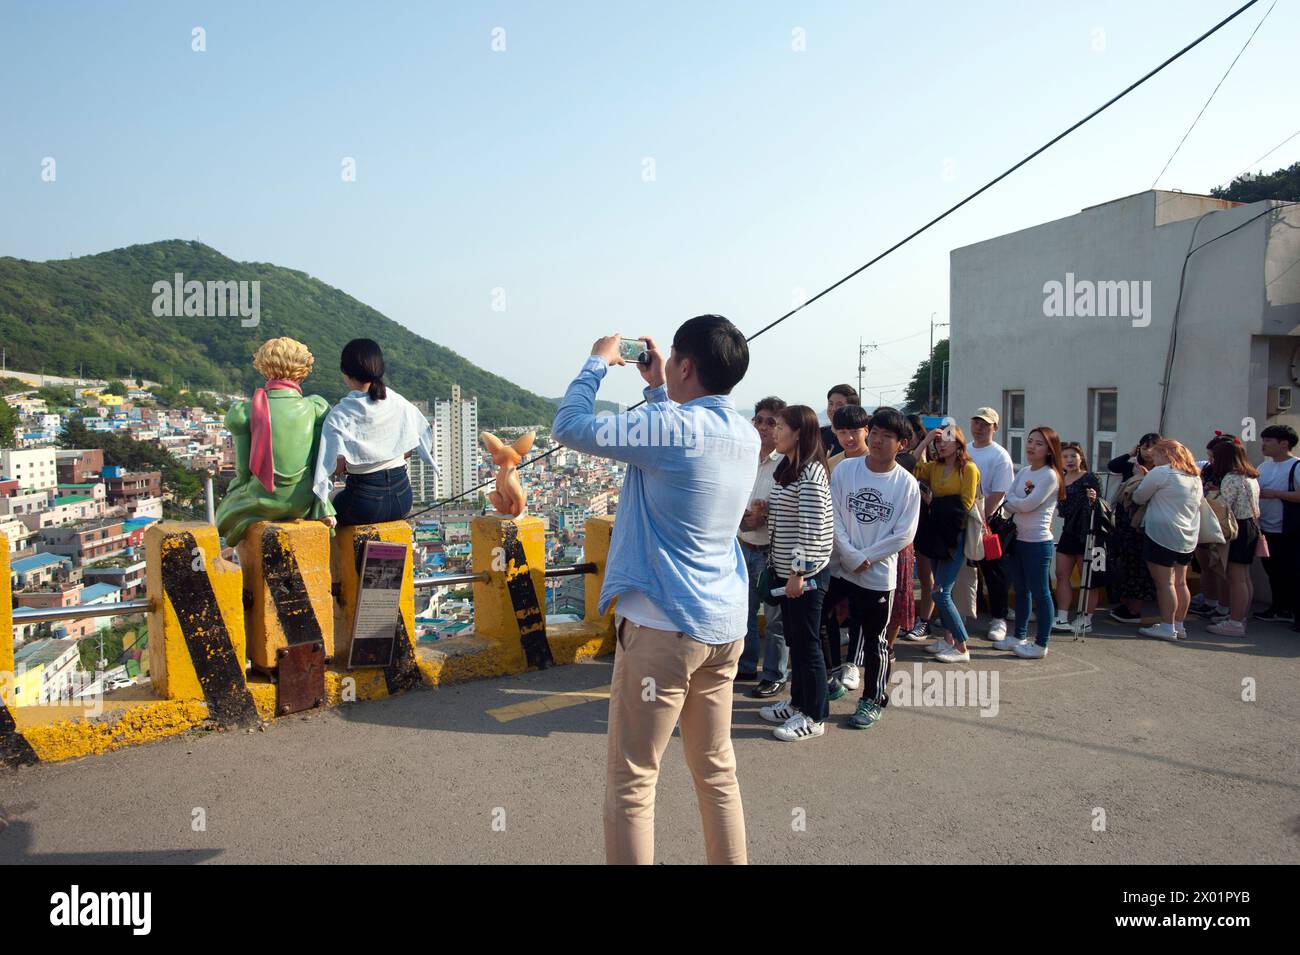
x,y
676,568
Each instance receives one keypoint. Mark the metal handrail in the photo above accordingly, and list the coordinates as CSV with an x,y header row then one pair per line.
x,y
79,611
143,605
452,580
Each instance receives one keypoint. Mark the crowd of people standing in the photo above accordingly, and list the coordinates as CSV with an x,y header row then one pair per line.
x,y
977,530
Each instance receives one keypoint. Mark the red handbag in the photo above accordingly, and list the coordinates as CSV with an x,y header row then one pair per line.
x,y
992,545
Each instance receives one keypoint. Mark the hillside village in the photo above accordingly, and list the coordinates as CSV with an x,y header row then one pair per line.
x,y
75,518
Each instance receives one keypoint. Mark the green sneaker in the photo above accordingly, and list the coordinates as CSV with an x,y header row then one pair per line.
x,y
836,692
866,716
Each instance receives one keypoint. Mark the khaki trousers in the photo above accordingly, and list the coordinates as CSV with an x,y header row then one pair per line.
x,y
663,679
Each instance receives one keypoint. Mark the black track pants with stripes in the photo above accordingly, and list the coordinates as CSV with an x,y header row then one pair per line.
x,y
872,608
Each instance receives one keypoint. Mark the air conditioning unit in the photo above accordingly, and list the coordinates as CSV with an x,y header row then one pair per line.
x,y
1279,399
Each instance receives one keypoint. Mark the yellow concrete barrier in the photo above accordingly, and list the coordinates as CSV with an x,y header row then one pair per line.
x,y
597,534
196,630
510,608
346,553
286,577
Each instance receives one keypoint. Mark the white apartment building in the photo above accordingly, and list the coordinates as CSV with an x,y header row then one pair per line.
x,y
32,468
455,443
1091,324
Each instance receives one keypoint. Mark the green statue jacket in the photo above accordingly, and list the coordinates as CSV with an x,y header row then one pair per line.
x,y
295,437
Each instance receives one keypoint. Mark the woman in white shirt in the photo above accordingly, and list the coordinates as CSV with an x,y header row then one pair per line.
x,y
1171,491
1238,484
1031,500
370,433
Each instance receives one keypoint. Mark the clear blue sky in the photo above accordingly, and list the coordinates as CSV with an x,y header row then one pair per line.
x,y
522,169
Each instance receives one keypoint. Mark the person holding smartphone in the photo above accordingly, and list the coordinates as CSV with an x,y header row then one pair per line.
x,y
803,535
681,615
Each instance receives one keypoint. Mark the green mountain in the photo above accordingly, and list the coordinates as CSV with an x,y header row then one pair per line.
x,y
94,315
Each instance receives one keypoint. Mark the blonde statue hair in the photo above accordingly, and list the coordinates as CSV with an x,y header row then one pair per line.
x,y
283,358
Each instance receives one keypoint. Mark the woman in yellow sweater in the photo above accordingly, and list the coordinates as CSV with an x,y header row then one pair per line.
x,y
949,484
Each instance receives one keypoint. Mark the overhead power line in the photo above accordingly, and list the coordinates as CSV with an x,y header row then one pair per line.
x,y
1212,92
937,219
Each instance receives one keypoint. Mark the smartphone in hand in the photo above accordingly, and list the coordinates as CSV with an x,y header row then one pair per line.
x,y
633,350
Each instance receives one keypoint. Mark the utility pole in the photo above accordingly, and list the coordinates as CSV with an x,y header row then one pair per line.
x,y
862,364
929,401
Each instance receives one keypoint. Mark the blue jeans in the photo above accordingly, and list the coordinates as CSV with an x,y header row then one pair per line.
x,y
374,498
776,655
803,632
1031,574
945,575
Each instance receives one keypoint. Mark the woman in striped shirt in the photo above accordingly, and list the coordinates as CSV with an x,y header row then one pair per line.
x,y
803,533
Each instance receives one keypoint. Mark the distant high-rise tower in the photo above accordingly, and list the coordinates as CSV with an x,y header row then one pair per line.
x,y
455,439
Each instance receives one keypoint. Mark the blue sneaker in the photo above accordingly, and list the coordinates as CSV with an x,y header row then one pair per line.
x,y
867,715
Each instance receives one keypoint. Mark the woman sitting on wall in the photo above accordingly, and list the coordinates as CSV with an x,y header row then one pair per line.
x,y
370,433
276,439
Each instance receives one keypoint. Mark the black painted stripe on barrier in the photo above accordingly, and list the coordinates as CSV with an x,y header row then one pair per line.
x,y
221,676
14,748
402,672
288,590
523,597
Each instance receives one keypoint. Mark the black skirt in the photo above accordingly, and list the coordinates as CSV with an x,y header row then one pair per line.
x,y
1242,548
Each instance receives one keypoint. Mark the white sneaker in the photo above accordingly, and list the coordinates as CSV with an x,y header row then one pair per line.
x,y
1228,628
953,655
1062,621
1082,624
998,630
1008,642
1161,631
937,646
1029,651
780,712
799,727
850,677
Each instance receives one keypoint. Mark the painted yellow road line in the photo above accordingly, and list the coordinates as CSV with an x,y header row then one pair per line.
x,y
551,701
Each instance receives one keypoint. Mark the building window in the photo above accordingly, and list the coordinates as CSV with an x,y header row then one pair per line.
x,y
1104,424
1013,425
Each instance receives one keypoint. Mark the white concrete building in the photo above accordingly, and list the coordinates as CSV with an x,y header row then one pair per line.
x,y
1073,323
33,469
455,443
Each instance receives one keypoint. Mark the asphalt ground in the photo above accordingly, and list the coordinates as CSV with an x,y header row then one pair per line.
x,y
1118,749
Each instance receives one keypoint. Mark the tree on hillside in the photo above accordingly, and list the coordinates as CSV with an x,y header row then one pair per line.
x,y
8,421
1252,187
185,484
918,390
116,388
56,396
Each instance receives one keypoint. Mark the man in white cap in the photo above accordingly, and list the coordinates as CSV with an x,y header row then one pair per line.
x,y
996,475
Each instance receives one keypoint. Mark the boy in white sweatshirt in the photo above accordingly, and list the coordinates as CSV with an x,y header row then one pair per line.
x,y
877,505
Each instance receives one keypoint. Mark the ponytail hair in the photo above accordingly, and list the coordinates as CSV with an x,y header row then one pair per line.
x,y
363,360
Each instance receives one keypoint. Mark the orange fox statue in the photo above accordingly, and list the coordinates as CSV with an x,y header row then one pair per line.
x,y
508,498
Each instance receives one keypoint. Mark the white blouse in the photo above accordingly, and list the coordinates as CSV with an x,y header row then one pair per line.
x,y
368,434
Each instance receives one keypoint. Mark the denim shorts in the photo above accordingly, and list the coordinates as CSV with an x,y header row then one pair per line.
x,y
374,498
